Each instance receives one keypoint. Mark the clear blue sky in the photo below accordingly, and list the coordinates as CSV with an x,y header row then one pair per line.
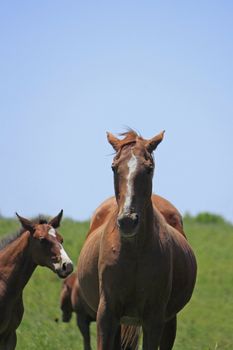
x,y
72,70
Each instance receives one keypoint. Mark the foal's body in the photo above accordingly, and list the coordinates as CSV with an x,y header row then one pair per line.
x,y
12,283
71,301
18,259
134,268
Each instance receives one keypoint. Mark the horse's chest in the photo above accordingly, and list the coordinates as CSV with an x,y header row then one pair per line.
x,y
140,279
133,281
141,273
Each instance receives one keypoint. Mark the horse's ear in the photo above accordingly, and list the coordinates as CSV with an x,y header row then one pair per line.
x,y
114,141
55,222
154,142
26,224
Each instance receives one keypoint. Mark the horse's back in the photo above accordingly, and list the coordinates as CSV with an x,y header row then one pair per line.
x,y
169,212
100,214
166,208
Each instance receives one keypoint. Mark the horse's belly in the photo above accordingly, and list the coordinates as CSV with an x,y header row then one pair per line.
x,y
131,321
184,278
87,270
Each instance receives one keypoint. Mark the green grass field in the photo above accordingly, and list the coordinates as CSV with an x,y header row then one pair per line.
x,y
206,323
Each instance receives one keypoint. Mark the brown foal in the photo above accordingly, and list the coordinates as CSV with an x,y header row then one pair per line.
x,y
38,243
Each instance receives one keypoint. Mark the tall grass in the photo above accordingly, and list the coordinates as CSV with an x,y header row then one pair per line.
x,y
204,324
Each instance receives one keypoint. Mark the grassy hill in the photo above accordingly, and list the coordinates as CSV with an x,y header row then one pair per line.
x,y
205,323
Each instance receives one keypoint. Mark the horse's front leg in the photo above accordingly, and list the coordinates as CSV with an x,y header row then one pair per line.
x,y
8,342
169,335
107,327
152,333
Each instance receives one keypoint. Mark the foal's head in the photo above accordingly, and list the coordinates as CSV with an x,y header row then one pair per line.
x,y
46,245
133,168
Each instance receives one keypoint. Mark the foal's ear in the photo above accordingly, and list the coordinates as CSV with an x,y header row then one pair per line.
x,y
154,142
55,222
114,141
26,224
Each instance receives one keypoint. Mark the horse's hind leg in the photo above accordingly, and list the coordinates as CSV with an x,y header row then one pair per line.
x,y
169,335
83,323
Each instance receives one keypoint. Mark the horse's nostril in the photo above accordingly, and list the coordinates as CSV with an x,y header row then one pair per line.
x,y
128,222
64,266
135,218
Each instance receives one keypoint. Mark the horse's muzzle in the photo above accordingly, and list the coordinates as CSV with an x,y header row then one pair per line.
x,y
128,223
65,269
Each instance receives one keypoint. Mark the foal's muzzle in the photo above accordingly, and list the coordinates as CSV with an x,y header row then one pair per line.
x,y
128,223
65,269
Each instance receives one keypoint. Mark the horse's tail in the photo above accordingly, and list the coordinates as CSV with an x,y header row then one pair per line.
x,y
130,337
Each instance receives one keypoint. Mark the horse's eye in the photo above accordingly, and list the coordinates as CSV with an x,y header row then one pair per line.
x,y
113,168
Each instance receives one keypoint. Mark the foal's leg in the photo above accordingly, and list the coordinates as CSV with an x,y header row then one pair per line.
x,y
169,335
83,323
107,327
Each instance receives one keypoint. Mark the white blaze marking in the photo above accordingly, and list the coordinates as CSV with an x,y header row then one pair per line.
x,y
132,165
52,232
64,258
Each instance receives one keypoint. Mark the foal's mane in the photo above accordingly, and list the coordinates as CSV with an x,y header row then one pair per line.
x,y
12,237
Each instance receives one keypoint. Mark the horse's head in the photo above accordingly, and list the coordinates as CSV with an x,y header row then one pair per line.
x,y
46,245
133,168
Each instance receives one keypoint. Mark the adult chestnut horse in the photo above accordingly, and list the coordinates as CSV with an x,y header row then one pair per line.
x,y
70,298
38,243
145,271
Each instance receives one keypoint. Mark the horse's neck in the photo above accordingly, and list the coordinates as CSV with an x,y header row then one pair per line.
x,y
16,265
149,229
